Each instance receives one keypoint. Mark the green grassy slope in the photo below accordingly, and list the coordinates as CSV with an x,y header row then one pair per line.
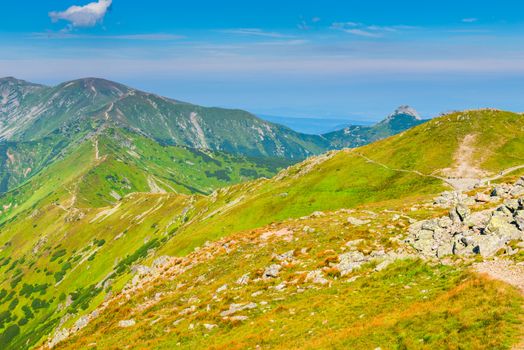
x,y
409,305
36,112
52,224
57,235
130,163
346,179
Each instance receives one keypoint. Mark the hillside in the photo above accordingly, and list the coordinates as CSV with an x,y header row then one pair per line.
x,y
86,104
318,256
39,125
104,168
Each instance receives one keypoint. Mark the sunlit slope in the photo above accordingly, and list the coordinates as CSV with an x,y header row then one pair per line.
x,y
407,304
61,255
218,296
55,222
401,168
107,166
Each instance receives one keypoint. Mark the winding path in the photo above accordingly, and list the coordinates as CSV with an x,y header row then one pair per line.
x,y
458,184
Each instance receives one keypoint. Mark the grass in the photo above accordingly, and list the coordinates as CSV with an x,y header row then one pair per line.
x,y
47,242
409,305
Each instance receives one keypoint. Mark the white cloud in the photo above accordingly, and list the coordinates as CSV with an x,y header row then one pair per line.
x,y
361,32
306,24
256,32
469,20
370,31
83,16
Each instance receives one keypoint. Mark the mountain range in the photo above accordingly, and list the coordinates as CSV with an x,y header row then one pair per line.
x,y
39,124
129,220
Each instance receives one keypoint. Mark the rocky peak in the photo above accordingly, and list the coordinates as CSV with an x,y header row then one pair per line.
x,y
404,111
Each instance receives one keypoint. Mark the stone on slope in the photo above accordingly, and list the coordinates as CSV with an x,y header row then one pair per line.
x,y
126,323
272,271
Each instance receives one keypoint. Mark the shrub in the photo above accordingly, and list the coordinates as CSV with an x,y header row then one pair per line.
x,y
57,254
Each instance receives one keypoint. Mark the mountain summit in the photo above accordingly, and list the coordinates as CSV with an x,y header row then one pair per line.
x,y
404,110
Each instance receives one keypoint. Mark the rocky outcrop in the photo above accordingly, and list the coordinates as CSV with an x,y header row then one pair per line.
x,y
463,233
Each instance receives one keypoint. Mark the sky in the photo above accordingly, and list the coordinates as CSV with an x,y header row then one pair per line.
x,y
348,59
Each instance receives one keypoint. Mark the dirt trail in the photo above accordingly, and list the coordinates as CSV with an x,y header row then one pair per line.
x,y
97,153
465,163
503,173
465,174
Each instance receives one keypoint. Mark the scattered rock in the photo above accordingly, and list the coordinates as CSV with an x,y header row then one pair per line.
x,y
209,326
177,322
357,222
316,277
281,286
272,271
126,323
354,243
308,229
287,256
243,280
221,289
234,308
350,261
238,318
482,198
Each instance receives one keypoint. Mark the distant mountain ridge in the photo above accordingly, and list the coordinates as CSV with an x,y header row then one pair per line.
x,y
313,126
29,112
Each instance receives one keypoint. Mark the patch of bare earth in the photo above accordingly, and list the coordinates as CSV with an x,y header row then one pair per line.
x,y
509,272
503,270
465,172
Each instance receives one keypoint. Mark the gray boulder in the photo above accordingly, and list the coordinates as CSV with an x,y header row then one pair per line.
x,y
272,271
500,225
487,245
350,261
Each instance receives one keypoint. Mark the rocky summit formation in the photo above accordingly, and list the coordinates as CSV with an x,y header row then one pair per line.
x,y
464,233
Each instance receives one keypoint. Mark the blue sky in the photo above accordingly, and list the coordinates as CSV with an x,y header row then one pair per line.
x,y
341,59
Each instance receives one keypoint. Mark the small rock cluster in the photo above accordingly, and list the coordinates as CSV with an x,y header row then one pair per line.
x,y
353,260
